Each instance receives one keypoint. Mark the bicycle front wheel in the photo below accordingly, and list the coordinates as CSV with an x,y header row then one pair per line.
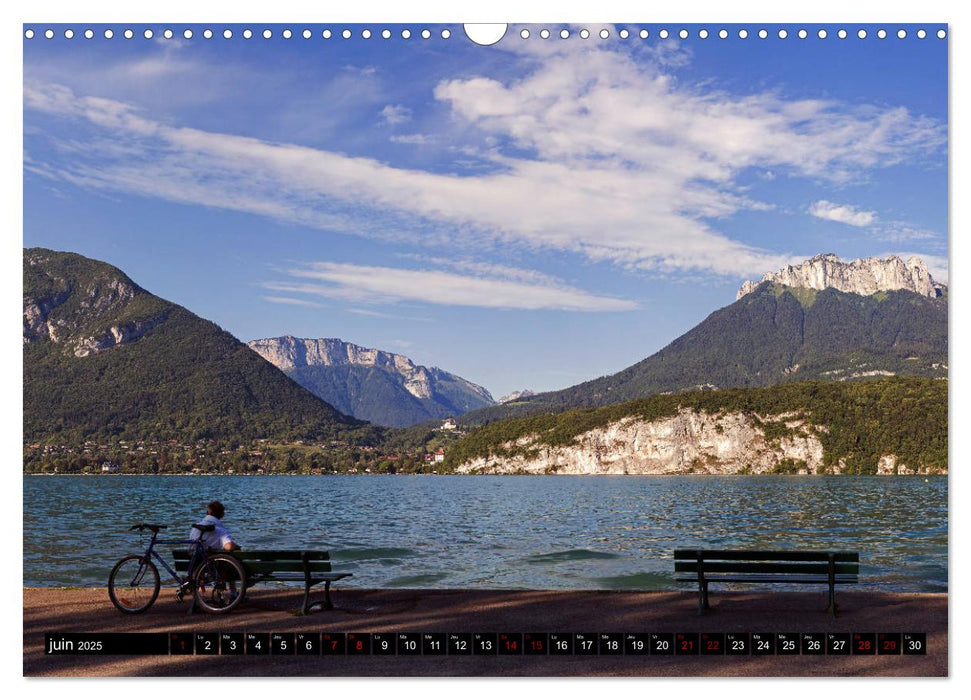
x,y
220,582
134,584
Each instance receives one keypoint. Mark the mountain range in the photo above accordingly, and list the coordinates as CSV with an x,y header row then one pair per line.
x,y
373,385
104,359
107,361
776,333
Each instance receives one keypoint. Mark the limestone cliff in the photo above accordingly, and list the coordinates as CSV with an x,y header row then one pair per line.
x,y
374,385
687,443
87,313
517,395
865,276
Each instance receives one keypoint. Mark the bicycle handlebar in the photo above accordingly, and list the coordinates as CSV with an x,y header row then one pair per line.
x,y
146,526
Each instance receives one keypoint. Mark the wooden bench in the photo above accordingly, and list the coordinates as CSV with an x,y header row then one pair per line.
x,y
740,566
309,567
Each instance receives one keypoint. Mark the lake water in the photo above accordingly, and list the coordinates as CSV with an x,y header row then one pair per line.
x,y
549,532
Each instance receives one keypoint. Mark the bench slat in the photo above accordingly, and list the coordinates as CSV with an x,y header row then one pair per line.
x,y
763,568
282,555
268,561
300,577
266,554
764,555
757,578
267,567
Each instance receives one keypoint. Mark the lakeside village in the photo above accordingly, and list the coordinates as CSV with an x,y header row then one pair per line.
x,y
258,457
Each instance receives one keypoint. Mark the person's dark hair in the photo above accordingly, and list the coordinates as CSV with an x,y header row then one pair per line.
x,y
216,508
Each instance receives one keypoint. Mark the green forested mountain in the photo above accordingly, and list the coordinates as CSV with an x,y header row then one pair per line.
x,y
774,335
106,360
857,422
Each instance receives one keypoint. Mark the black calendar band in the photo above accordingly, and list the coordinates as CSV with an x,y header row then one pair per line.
x,y
487,643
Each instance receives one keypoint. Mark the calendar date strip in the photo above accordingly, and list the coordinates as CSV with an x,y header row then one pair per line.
x,y
487,643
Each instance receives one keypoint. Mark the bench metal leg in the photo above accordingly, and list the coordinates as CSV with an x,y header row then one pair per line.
x,y
703,598
324,604
832,607
305,608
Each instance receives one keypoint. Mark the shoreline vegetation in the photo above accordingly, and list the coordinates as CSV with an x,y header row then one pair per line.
x,y
859,427
857,424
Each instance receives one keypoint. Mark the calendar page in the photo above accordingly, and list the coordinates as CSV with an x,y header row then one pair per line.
x,y
417,349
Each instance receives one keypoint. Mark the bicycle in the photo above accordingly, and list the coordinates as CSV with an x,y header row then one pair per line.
x,y
134,582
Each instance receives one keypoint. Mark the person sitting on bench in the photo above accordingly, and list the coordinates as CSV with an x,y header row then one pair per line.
x,y
218,539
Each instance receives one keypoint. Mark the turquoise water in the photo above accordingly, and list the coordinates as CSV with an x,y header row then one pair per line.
x,y
550,532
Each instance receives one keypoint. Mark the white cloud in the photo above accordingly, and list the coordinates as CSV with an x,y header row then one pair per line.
x,y
384,285
396,114
486,269
843,213
395,316
893,231
294,301
411,139
589,153
898,232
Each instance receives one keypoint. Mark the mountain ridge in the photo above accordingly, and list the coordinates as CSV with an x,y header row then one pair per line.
x,y
775,334
104,358
864,276
375,385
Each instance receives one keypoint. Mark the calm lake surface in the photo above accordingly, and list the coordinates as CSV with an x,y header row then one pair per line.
x,y
549,532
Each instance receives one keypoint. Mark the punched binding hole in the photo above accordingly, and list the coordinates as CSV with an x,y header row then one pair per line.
x,y
485,34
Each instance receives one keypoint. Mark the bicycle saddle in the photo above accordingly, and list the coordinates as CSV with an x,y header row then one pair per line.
x,y
204,528
146,526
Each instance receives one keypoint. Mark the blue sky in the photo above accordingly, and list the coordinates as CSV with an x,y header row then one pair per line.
x,y
527,215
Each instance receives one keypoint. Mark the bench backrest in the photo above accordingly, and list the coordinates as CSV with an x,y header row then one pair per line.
x,y
270,561
722,561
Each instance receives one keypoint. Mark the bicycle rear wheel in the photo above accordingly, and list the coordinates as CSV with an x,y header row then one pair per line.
x,y
133,584
220,583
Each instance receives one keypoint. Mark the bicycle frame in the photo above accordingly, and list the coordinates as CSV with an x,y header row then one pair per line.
x,y
198,555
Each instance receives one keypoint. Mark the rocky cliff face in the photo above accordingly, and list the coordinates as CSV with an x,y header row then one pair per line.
x,y
865,276
104,358
288,352
374,385
517,395
688,443
87,314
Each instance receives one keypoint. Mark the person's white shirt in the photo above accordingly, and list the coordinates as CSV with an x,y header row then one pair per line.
x,y
216,539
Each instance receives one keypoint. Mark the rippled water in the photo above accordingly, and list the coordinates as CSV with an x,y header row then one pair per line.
x,y
552,532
